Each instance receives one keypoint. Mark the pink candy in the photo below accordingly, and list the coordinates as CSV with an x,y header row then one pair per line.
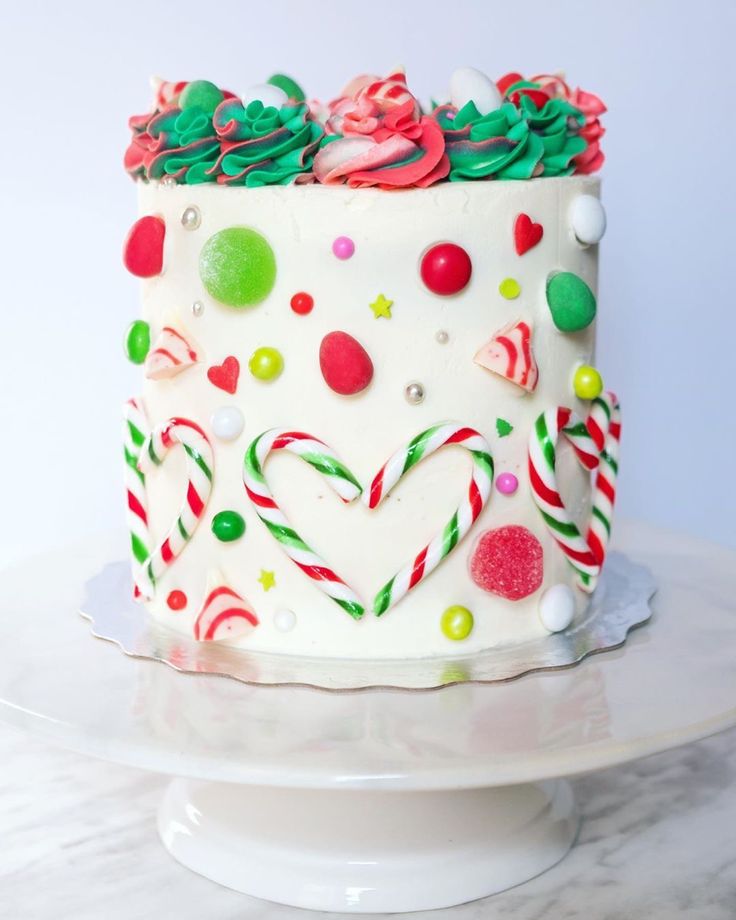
x,y
343,247
508,561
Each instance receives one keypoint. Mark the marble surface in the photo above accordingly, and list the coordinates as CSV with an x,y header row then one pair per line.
x,y
657,842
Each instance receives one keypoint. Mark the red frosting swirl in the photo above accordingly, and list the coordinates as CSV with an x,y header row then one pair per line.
x,y
381,138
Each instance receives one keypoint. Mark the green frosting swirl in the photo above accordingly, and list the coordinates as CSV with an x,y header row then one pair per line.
x,y
557,124
263,145
183,143
497,145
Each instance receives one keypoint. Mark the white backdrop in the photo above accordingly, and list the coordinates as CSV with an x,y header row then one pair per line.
x,y
74,71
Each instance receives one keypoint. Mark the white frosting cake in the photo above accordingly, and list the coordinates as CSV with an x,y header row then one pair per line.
x,y
369,425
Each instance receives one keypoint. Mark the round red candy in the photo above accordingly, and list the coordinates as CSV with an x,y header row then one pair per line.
x,y
302,303
345,364
508,561
143,252
177,600
446,268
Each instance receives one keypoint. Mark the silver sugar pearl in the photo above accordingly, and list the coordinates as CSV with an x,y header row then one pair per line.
x,y
442,337
414,393
197,308
191,218
168,182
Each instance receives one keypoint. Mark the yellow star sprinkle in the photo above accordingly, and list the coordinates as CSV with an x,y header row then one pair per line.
x,y
382,307
267,579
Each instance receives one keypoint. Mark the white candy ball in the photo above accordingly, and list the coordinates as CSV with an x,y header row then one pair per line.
x,y
557,607
265,93
284,620
468,84
588,219
227,423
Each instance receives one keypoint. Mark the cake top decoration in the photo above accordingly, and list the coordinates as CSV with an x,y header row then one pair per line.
x,y
374,134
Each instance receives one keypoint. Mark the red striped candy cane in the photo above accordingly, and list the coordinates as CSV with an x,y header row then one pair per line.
x,y
200,464
317,454
135,432
596,446
479,488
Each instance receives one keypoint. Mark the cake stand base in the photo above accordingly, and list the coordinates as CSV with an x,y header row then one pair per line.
x,y
367,851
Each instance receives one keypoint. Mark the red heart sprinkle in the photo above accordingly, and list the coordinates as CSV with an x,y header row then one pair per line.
x,y
526,233
225,375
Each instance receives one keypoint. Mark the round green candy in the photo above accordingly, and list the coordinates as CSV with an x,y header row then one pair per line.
x,y
571,302
289,86
587,382
228,526
237,267
201,94
457,622
138,341
266,363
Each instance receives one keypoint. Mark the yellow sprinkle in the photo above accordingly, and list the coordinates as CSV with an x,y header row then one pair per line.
x,y
509,288
267,579
381,306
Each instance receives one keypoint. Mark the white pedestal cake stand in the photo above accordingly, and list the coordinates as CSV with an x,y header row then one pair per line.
x,y
377,800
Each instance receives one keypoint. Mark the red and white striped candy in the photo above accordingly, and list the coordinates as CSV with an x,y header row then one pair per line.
x,y
200,465
171,354
135,432
389,93
166,92
225,614
509,354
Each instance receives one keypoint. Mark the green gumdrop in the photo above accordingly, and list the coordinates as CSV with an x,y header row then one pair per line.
x,y
138,341
228,526
571,302
201,94
237,267
289,86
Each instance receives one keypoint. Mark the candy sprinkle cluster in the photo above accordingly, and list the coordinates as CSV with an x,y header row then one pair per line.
x,y
375,134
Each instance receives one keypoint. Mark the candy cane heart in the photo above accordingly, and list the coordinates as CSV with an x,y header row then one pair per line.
x,y
479,488
199,465
595,443
318,455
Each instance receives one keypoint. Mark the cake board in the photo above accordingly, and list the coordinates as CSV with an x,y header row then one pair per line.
x,y
378,800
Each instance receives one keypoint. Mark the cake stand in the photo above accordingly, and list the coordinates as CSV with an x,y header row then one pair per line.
x,y
377,800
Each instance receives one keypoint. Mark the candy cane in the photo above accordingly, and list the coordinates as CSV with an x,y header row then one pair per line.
x,y
461,521
596,445
341,480
200,459
135,432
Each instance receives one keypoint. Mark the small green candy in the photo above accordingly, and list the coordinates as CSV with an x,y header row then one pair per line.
x,y
289,86
201,94
571,302
237,267
457,622
228,526
138,341
503,428
266,363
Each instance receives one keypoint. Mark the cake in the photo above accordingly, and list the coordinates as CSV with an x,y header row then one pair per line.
x,y
370,424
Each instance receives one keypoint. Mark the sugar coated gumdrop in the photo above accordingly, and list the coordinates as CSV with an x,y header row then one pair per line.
x,y
446,268
228,526
345,364
143,251
587,382
201,94
508,561
456,622
588,219
237,267
266,363
571,302
557,607
138,341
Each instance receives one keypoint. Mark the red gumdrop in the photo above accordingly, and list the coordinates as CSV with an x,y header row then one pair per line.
x,y
177,600
446,268
345,364
143,252
508,561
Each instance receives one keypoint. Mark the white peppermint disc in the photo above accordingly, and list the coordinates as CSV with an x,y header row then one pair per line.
x,y
588,219
557,607
468,84
265,93
227,423
284,620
